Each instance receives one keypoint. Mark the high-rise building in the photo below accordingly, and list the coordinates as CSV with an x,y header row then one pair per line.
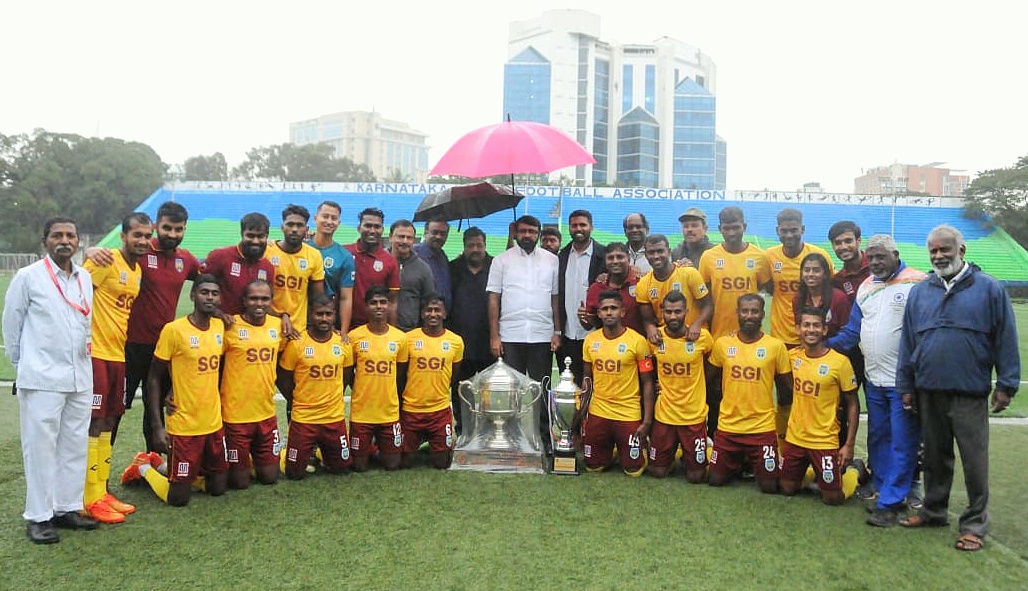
x,y
901,179
391,149
647,113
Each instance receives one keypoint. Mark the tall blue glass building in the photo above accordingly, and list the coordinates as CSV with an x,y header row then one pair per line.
x,y
647,113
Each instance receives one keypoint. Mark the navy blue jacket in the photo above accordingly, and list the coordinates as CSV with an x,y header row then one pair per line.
x,y
952,341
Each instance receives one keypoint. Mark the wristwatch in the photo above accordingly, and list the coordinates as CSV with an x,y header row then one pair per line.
x,y
558,333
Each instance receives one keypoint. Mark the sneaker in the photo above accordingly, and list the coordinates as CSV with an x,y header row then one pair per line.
x,y
131,474
882,518
915,500
102,512
156,459
118,505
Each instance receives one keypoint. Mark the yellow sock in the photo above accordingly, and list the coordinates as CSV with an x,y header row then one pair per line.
x,y
103,457
158,484
94,487
200,484
850,481
808,477
282,460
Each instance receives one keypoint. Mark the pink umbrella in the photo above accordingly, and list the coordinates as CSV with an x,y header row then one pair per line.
x,y
512,147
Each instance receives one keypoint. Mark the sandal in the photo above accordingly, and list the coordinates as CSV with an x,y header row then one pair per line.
x,y
918,520
969,543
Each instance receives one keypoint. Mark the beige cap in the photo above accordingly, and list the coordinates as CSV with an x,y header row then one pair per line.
x,y
693,212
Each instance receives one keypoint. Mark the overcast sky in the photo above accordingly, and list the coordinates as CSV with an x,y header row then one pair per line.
x,y
807,91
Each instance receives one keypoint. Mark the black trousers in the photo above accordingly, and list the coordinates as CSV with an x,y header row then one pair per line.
x,y
573,349
137,365
536,361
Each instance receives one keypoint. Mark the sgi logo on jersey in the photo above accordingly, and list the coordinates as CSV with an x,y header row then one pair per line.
x,y
761,352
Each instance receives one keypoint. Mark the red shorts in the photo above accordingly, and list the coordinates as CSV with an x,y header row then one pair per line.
x,y
259,439
196,455
665,439
387,436
331,439
108,389
436,427
600,436
731,448
795,460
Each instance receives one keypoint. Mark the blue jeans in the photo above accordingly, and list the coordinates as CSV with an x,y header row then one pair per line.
x,y
893,436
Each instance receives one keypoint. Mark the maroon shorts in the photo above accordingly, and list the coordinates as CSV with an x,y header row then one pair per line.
x,y
730,449
600,436
196,455
331,439
665,439
258,439
387,436
108,389
435,427
795,460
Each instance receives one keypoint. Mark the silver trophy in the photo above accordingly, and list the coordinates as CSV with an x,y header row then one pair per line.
x,y
500,395
565,400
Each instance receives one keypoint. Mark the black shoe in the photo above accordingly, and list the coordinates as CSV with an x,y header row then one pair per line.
x,y
883,518
41,532
73,520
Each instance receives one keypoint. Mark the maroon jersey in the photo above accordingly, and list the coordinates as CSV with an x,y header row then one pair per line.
x,y
163,276
234,273
371,268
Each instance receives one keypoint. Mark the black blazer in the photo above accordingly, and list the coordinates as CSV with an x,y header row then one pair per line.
x,y
597,265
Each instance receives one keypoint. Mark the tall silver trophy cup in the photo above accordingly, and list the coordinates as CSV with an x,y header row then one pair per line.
x,y
501,396
564,401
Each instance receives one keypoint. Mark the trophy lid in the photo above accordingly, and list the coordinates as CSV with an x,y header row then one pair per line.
x,y
500,376
567,379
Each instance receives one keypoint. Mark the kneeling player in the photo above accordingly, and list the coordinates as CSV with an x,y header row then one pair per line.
x,y
379,366
190,348
751,364
617,360
435,355
680,413
821,377
312,377
248,389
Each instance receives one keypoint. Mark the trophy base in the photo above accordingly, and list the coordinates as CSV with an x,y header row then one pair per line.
x,y
499,461
565,465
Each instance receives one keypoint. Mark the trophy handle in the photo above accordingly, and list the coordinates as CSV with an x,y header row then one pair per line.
x,y
537,389
461,388
587,398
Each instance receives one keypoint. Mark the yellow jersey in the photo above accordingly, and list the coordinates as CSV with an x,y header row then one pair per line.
x,y
248,378
318,377
687,280
616,364
193,357
293,275
115,289
818,385
748,373
683,384
374,398
785,273
729,276
430,370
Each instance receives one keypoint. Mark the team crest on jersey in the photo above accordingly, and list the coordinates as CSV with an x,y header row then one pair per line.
x,y
761,352
355,443
769,464
337,350
151,261
378,266
353,275
751,264
235,270
660,347
392,347
419,344
631,290
778,266
622,347
653,293
180,265
446,346
676,286
308,352
244,334
217,339
275,260
329,262
732,351
848,287
194,342
828,476
364,346
596,346
719,263
273,334
690,347
123,278
797,364
899,296
302,264
262,275
701,456
822,370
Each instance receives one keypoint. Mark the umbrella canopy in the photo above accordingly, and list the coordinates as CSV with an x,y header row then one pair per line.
x,y
512,147
466,202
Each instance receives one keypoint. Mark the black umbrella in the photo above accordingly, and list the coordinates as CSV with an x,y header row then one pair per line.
x,y
466,202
